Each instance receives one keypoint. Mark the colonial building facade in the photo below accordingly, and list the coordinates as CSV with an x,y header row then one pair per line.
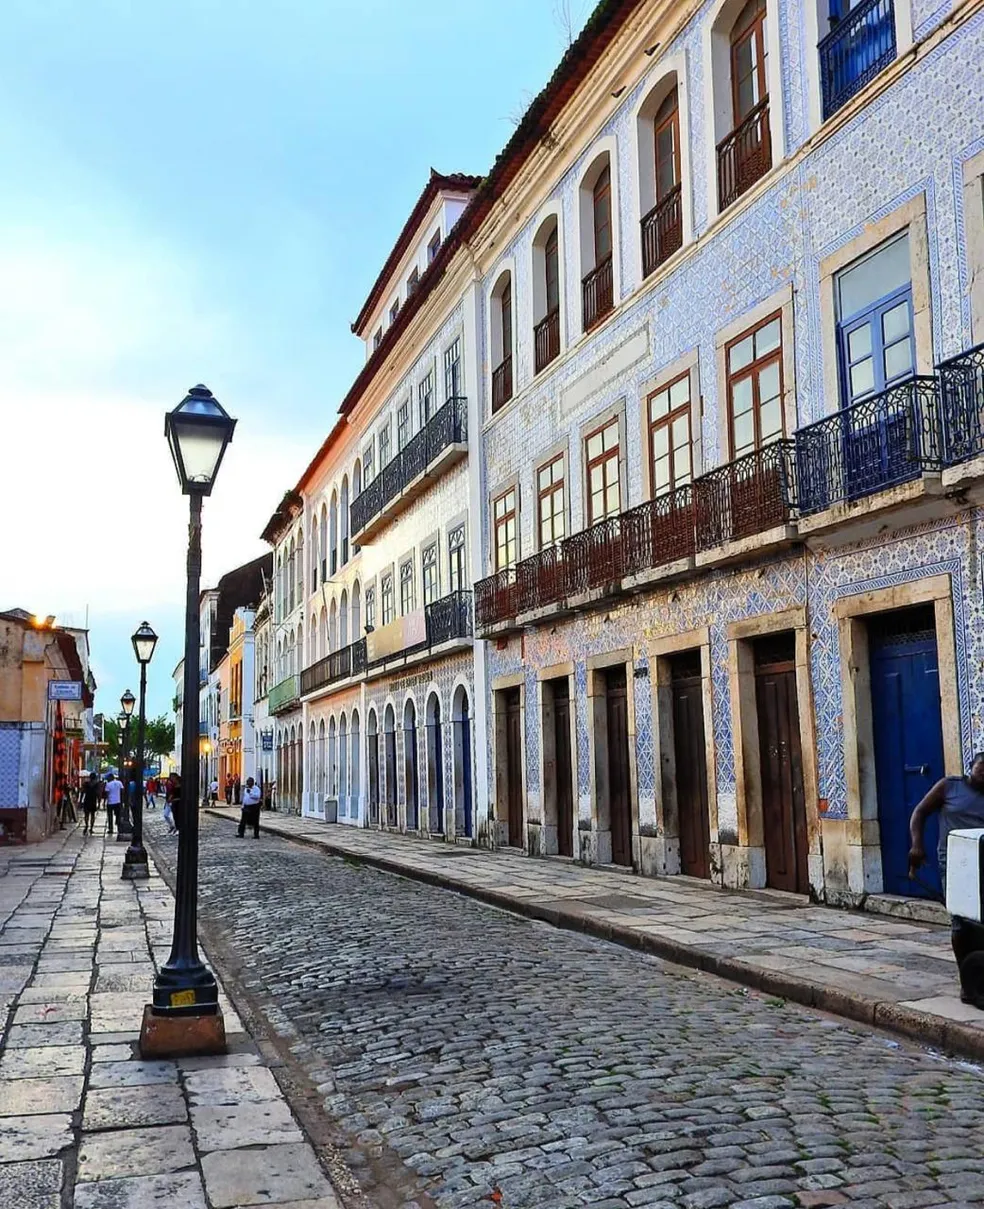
x,y
689,390
730,491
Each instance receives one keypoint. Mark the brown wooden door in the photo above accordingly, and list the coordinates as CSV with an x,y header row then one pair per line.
x,y
619,801
514,767
783,799
690,755
562,766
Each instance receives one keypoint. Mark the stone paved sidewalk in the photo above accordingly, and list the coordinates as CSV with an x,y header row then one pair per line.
x,y
85,1122
894,973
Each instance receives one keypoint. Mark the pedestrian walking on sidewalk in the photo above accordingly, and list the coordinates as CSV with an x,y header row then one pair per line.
x,y
251,809
174,801
213,791
959,801
114,802
150,793
89,796
228,790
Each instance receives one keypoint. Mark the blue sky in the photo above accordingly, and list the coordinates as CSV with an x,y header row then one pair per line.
x,y
204,190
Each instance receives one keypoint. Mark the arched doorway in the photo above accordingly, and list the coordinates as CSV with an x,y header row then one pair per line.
x,y
355,788
343,786
411,780
389,744
316,755
462,757
373,756
343,620
435,766
331,770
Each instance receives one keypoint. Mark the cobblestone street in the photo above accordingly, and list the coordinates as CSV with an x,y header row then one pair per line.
x,y
492,1055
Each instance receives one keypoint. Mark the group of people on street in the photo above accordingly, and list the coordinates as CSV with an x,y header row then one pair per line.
x,y
95,791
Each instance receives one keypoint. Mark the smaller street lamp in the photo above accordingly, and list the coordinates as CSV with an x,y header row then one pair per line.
x,y
127,701
135,858
122,723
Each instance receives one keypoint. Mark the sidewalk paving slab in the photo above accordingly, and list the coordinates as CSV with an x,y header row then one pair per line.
x,y
892,967
83,1120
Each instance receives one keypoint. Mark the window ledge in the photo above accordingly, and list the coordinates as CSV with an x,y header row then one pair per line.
x,y
745,548
854,520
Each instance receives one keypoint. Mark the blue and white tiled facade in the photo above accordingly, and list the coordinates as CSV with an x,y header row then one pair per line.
x,y
907,139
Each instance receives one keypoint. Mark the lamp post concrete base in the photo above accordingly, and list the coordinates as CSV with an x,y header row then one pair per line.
x,y
164,1035
135,870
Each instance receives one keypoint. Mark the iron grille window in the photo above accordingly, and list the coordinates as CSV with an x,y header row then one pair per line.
x,y
403,425
425,397
670,460
388,602
754,366
429,574
456,558
384,446
551,502
368,465
370,608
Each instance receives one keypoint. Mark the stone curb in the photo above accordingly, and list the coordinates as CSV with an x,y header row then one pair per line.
x,y
936,1031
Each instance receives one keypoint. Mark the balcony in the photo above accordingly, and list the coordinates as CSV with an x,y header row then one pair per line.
x,y
745,156
962,407
285,695
859,46
335,667
597,294
662,231
745,498
437,446
615,555
502,384
546,339
869,447
413,638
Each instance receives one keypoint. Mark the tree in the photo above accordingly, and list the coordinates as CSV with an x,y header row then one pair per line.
x,y
158,738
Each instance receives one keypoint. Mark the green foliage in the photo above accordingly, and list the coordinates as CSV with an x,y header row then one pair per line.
x,y
158,737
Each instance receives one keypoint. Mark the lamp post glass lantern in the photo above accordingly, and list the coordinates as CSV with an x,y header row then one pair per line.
x,y
135,858
198,431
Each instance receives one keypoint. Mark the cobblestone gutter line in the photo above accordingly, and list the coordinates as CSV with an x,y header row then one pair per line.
x,y
952,1036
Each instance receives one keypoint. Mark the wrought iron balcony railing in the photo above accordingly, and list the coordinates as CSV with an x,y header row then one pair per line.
x,y
745,156
495,598
754,493
876,443
662,230
449,618
859,46
546,339
962,398
448,426
597,294
284,695
658,532
502,383
337,665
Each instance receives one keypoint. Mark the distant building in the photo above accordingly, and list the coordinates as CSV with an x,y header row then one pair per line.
x,y
42,731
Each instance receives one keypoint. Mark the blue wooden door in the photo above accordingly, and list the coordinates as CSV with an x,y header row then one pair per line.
x,y
908,733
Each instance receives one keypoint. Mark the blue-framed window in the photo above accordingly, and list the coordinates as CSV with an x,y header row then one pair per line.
x,y
861,42
876,347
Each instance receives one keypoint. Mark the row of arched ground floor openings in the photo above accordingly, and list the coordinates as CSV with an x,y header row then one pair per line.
x,y
419,773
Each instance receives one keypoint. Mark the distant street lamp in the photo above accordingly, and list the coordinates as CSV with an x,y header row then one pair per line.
x,y
184,1016
135,857
122,725
125,827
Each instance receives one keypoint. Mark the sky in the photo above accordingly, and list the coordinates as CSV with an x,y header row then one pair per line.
x,y
204,191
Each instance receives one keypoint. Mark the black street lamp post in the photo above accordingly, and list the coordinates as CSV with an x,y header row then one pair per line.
x,y
135,857
121,726
184,1016
125,826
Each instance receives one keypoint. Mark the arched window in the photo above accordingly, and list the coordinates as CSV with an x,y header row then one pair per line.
x,y
343,619
323,542
344,520
323,633
597,243
313,631
389,737
502,341
315,556
299,649
660,173
314,767
333,535
411,778
356,611
546,293
462,753
356,492
743,134
291,577
333,626
299,569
